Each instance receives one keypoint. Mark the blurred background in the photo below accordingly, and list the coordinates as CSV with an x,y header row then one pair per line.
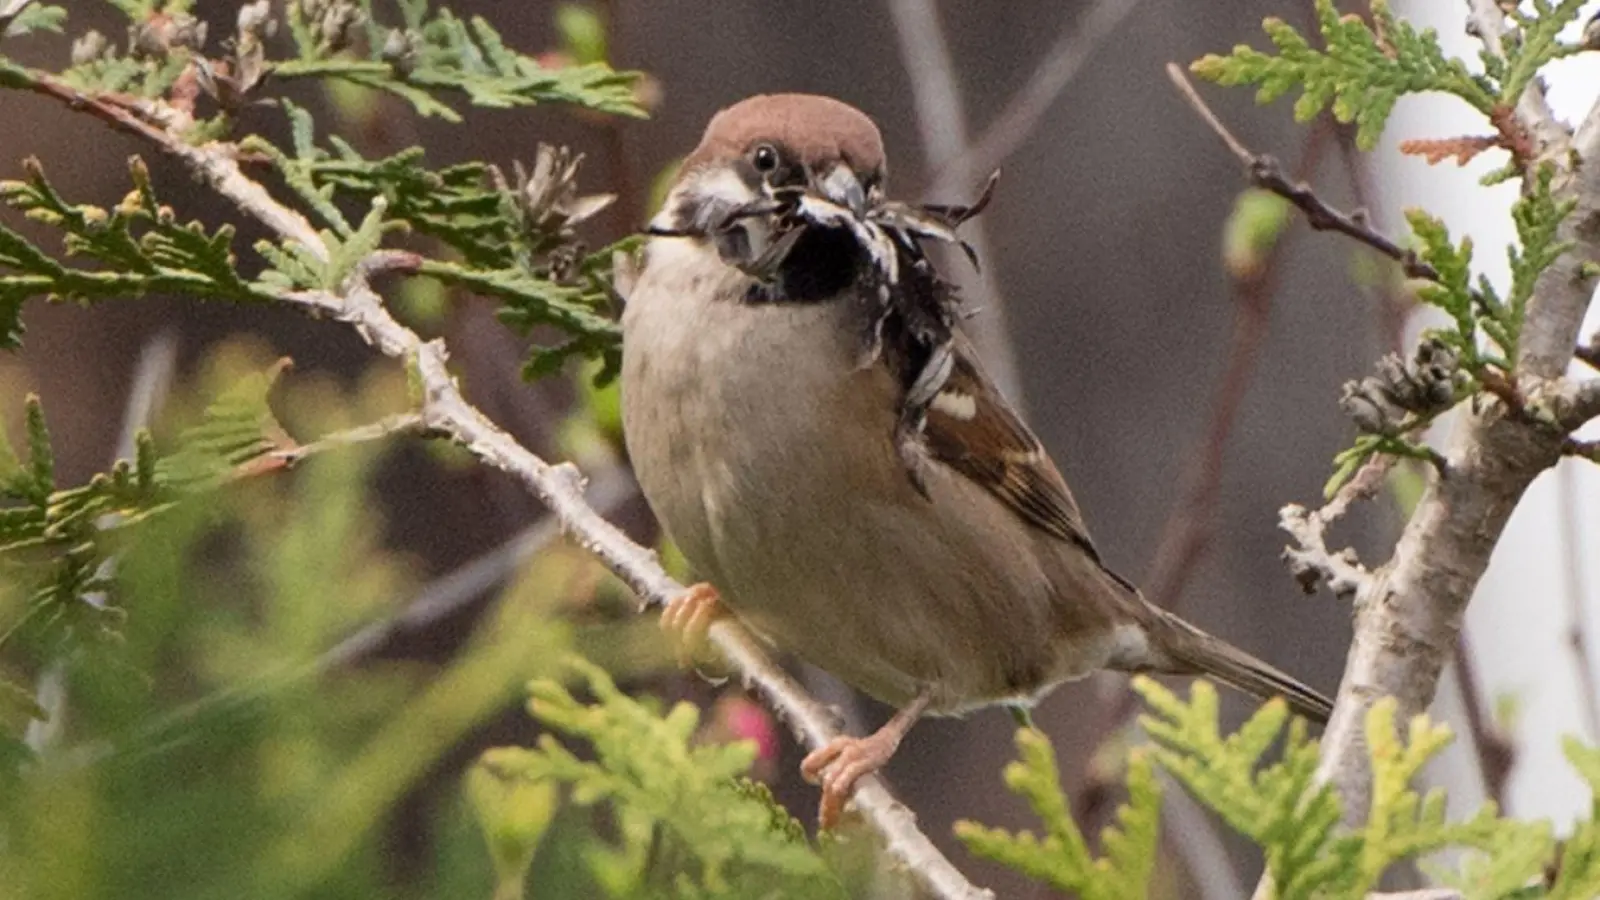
x,y
1186,396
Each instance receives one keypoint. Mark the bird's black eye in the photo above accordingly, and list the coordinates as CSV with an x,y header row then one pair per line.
x,y
764,157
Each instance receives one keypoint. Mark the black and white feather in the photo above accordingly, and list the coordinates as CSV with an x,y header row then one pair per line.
x,y
913,328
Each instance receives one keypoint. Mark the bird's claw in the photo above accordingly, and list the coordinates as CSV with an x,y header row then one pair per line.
x,y
839,764
688,618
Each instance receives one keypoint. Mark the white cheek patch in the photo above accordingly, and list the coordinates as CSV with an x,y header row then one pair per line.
x,y
956,405
722,184
706,194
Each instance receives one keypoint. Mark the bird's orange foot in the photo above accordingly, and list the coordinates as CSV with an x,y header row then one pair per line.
x,y
840,763
688,618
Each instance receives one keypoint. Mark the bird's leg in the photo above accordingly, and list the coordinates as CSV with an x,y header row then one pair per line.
x,y
688,618
840,763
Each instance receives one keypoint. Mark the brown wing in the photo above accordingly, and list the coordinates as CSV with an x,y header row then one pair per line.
x,y
973,430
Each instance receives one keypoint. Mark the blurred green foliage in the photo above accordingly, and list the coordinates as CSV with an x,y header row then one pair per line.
x,y
219,743
1280,806
687,824
204,753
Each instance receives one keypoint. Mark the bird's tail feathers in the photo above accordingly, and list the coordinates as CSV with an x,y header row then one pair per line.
x,y
1190,651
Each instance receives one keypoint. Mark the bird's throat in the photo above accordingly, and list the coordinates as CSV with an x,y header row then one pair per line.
x,y
821,266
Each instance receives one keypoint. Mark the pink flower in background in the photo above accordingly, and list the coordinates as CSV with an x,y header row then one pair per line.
x,y
735,717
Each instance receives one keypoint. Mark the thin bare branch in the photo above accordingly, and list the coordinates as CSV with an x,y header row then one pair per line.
x,y
1589,450
1265,172
1187,531
942,123
1020,116
388,426
1394,303
559,486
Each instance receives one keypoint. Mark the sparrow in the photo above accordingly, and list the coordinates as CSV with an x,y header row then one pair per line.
x,y
769,371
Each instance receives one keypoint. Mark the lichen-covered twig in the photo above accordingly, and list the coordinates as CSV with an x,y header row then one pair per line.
x,y
1309,558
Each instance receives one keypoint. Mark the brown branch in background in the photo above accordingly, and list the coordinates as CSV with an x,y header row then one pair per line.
x,y
1496,752
942,123
1589,352
559,486
1186,534
1020,116
1395,303
629,210
1267,173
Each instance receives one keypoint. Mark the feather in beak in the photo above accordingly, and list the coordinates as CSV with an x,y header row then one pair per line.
x,y
842,188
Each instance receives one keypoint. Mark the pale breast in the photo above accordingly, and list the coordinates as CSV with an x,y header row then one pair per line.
x,y
815,534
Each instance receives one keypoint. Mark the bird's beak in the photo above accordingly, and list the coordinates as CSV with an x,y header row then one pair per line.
x,y
841,187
